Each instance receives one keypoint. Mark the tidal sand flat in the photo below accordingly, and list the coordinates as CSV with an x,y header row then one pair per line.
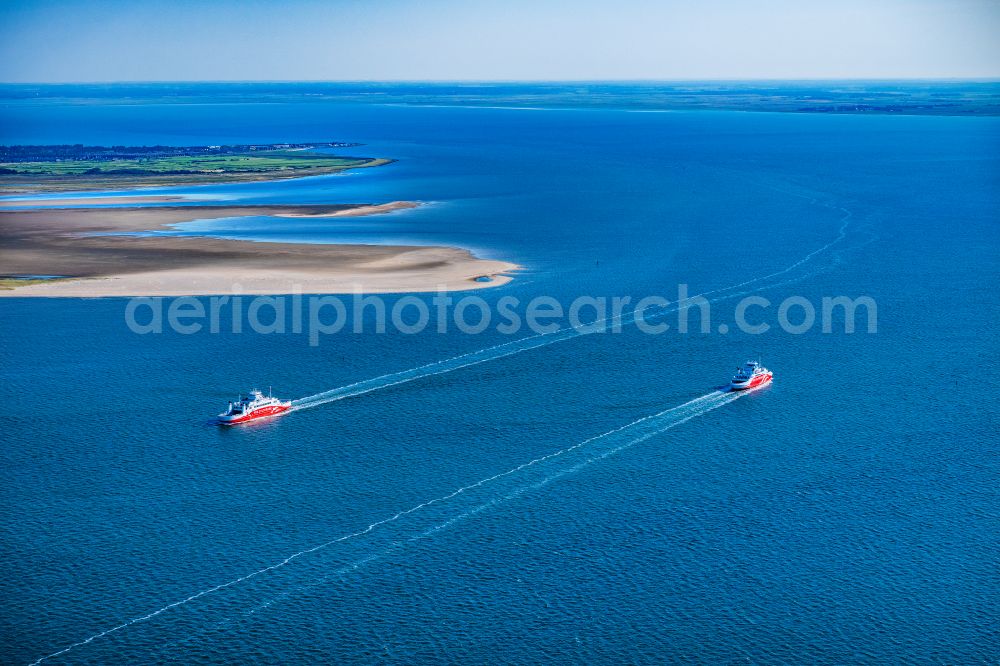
x,y
71,243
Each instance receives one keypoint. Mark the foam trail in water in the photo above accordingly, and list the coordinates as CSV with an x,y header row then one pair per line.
x,y
604,445
543,339
648,426
634,433
449,365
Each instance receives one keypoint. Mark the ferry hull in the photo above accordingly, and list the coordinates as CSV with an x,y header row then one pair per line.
x,y
261,413
753,383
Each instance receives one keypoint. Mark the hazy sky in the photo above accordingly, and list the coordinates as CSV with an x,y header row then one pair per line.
x,y
112,40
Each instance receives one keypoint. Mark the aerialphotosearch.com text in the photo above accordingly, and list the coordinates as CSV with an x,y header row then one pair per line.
x,y
443,312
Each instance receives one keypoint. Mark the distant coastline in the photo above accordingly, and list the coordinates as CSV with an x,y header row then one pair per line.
x,y
955,97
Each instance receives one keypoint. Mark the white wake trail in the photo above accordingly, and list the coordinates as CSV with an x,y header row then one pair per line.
x,y
635,433
455,363
544,339
646,427
605,445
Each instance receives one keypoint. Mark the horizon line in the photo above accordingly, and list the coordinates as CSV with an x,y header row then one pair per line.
x,y
939,79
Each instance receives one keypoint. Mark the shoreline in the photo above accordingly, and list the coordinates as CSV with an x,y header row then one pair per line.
x,y
56,241
28,203
18,185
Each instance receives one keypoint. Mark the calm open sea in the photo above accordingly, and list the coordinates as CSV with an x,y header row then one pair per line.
x,y
847,513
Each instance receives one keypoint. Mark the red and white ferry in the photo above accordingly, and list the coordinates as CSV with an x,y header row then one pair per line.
x,y
254,406
751,375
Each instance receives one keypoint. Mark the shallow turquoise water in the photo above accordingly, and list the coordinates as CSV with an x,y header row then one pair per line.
x,y
847,513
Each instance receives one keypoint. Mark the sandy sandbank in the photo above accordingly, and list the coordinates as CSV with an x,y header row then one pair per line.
x,y
54,242
357,211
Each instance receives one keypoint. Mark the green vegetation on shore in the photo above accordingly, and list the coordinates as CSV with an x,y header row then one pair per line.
x,y
12,283
60,168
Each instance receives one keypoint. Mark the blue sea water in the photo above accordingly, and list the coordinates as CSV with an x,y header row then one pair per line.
x,y
848,513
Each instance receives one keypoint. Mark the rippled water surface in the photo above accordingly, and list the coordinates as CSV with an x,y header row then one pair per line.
x,y
566,498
